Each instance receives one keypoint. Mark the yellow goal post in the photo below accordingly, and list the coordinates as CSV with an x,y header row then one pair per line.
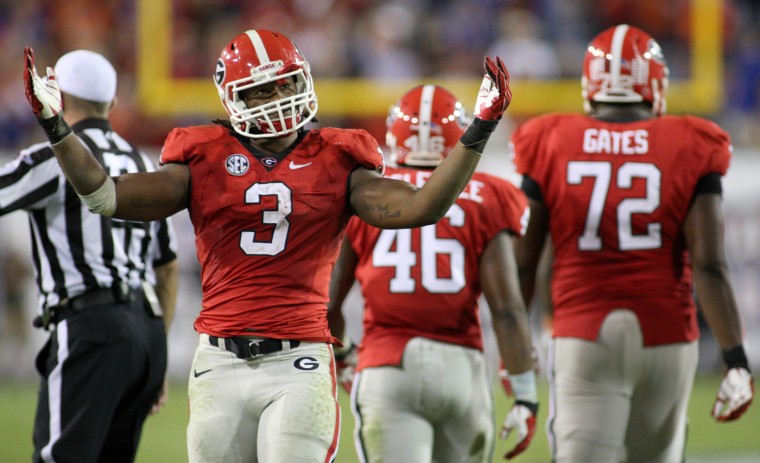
x,y
161,94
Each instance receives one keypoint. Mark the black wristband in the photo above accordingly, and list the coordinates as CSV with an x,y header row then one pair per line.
x,y
55,128
477,134
736,358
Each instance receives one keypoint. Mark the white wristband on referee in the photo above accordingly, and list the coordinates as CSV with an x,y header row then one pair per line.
x,y
103,200
524,386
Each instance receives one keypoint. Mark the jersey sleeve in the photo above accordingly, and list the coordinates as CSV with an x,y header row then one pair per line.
x,y
512,206
173,150
30,180
358,144
716,145
526,146
516,207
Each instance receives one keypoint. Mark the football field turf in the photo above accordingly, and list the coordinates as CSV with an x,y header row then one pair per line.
x,y
164,435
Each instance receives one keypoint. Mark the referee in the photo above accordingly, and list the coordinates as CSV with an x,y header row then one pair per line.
x,y
107,287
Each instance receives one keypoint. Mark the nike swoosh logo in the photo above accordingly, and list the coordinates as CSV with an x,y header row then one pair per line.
x,y
295,166
198,373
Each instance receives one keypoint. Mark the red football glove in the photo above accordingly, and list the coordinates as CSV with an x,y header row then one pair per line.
x,y
346,359
494,95
521,417
45,97
43,94
734,395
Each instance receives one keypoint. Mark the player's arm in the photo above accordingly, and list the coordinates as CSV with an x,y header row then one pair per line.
x,y
501,288
703,229
387,203
167,281
341,281
143,196
152,195
528,249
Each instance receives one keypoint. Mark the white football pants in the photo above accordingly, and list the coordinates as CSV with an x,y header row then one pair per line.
x,y
615,400
275,408
437,406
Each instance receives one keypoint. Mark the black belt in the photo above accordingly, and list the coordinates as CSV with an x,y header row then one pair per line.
x,y
120,294
245,348
101,296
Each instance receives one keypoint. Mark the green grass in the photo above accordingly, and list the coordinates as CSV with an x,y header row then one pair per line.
x,y
164,435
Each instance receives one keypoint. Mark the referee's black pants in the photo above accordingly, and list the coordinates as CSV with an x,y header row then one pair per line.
x,y
101,371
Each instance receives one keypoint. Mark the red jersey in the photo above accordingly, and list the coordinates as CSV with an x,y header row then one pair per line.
x,y
426,281
268,230
617,195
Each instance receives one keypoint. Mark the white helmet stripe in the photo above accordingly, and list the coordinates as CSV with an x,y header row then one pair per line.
x,y
426,110
616,49
258,45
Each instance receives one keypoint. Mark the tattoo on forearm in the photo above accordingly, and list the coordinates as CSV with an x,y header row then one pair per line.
x,y
390,215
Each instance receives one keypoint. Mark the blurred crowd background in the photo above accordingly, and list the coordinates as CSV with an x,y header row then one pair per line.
x,y
361,39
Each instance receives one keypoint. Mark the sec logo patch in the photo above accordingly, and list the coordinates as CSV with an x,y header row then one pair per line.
x,y
237,164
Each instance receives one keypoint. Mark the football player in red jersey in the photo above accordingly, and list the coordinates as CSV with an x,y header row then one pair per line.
x,y
269,201
422,392
632,201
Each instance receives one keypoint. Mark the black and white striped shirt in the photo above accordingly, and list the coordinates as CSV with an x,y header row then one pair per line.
x,y
74,250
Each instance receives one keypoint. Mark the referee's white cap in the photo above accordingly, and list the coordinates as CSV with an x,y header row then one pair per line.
x,y
86,75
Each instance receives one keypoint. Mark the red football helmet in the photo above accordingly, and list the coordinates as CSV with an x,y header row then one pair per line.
x,y
624,64
424,125
258,57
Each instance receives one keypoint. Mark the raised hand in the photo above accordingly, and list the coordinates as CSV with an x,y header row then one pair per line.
x,y
494,95
734,395
43,94
45,98
522,418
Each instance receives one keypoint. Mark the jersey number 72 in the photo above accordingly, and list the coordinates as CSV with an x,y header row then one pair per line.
x,y
601,172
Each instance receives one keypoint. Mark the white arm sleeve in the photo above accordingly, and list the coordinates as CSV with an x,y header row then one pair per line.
x,y
103,200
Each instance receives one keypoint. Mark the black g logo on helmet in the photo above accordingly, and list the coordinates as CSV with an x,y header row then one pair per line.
x,y
219,73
